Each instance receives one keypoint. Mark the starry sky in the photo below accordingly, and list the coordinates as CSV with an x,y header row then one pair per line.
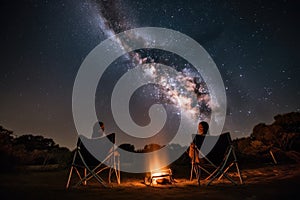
x,y
254,44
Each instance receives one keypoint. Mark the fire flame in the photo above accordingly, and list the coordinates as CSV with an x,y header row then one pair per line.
x,y
160,175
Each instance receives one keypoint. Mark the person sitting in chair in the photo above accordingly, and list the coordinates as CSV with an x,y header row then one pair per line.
x,y
193,151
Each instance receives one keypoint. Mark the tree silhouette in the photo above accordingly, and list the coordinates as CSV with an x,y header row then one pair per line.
x,y
127,147
6,154
152,147
35,142
30,150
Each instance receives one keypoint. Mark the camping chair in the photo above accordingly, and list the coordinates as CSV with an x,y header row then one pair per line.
x,y
85,162
217,161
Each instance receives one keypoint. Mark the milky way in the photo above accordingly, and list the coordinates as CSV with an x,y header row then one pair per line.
x,y
175,90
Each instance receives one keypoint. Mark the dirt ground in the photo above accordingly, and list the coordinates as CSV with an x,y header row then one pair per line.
x,y
268,182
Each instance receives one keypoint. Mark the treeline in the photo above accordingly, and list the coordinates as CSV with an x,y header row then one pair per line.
x,y
147,148
282,138
30,150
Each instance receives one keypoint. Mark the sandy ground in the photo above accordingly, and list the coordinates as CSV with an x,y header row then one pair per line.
x,y
268,182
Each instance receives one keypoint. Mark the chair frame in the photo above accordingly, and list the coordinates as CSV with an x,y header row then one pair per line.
x,y
220,170
94,172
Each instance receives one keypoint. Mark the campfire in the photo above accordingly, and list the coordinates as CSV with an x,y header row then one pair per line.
x,y
161,176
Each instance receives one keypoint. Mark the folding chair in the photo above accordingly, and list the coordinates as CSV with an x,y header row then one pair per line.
x,y
87,166
218,160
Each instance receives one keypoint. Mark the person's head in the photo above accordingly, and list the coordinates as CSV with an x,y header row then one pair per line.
x,y
203,128
101,124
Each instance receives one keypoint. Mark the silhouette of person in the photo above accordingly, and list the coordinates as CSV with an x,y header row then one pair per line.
x,y
193,151
98,130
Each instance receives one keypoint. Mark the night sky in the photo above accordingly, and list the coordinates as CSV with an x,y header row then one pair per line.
x,y
43,43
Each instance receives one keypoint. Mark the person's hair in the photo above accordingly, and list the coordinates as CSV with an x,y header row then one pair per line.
x,y
101,124
205,127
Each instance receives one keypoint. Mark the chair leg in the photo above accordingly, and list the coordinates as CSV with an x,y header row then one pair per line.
x,y
220,171
239,173
71,170
109,175
199,176
117,171
192,170
273,157
225,171
114,168
237,166
69,179
84,174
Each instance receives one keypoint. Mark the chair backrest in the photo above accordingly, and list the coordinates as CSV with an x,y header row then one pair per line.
x,y
90,154
217,146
